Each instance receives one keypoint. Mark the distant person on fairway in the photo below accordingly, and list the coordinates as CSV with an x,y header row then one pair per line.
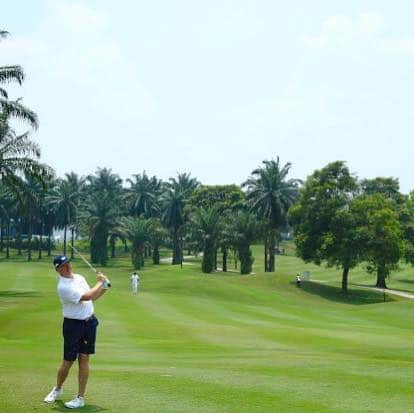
x,y
79,326
298,280
134,282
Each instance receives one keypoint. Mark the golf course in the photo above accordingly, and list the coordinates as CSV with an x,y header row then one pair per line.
x,y
219,342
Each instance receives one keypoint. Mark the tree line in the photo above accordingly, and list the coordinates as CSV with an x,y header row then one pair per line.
x,y
336,219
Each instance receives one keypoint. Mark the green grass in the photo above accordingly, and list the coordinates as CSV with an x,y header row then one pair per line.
x,y
190,342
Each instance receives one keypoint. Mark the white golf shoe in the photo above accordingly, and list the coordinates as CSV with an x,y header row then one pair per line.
x,y
53,395
77,402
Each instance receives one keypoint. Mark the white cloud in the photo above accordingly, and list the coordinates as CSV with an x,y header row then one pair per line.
x,y
235,30
79,18
341,33
82,53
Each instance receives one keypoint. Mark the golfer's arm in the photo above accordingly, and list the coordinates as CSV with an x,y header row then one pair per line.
x,y
94,293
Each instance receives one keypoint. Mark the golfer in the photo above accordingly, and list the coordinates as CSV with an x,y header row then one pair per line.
x,y
79,326
134,282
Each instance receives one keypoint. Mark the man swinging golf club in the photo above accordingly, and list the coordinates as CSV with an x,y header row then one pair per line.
x,y
79,326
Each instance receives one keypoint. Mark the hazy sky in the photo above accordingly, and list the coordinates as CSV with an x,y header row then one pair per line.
x,y
215,87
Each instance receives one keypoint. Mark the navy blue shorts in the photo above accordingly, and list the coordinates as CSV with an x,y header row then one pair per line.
x,y
79,337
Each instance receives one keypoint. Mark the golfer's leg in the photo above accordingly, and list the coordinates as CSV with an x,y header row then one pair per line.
x,y
63,373
83,360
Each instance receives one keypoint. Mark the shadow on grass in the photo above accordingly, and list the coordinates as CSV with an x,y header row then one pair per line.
x,y
406,281
355,297
60,407
19,294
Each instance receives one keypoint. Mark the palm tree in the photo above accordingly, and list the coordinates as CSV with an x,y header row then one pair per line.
x,y
177,191
206,225
137,230
78,185
271,194
144,195
31,205
100,214
64,200
18,157
11,108
157,236
244,231
6,205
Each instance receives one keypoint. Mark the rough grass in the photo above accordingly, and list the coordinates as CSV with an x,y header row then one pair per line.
x,y
190,342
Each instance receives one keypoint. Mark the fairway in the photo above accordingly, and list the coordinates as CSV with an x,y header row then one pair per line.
x,y
191,342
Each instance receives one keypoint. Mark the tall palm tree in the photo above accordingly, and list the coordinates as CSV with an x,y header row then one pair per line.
x,y
13,108
144,195
100,214
31,206
157,236
176,193
207,225
77,184
271,194
64,199
137,230
18,157
6,205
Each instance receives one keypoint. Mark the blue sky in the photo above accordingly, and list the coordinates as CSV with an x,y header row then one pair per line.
x,y
213,88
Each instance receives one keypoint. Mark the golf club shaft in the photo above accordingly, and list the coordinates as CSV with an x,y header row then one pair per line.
x,y
89,264
84,259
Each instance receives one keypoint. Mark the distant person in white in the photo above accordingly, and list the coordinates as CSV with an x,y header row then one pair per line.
x,y
79,326
134,282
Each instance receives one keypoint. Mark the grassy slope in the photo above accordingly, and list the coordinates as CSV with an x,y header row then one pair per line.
x,y
213,343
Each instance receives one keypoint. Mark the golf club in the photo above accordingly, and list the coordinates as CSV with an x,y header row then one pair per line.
x,y
108,283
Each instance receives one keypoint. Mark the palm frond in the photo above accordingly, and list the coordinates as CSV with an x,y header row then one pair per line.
x,y
11,73
3,93
19,111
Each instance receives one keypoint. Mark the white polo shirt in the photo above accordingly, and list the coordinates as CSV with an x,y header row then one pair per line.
x,y
70,291
135,278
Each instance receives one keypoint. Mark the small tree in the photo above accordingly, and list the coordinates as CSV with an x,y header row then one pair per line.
x,y
207,228
244,229
137,230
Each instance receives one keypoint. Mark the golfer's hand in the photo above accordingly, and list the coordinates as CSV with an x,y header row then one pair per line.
x,y
100,277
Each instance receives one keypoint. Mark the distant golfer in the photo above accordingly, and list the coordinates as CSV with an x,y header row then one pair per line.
x,y
298,280
79,326
135,282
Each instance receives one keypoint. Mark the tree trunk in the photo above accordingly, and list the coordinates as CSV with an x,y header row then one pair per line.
x,y
8,240
40,242
72,240
215,259
345,273
272,253
156,255
224,251
19,238
99,246
381,276
49,244
64,240
176,248
29,239
266,264
137,257
207,264
1,234
112,241
246,259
